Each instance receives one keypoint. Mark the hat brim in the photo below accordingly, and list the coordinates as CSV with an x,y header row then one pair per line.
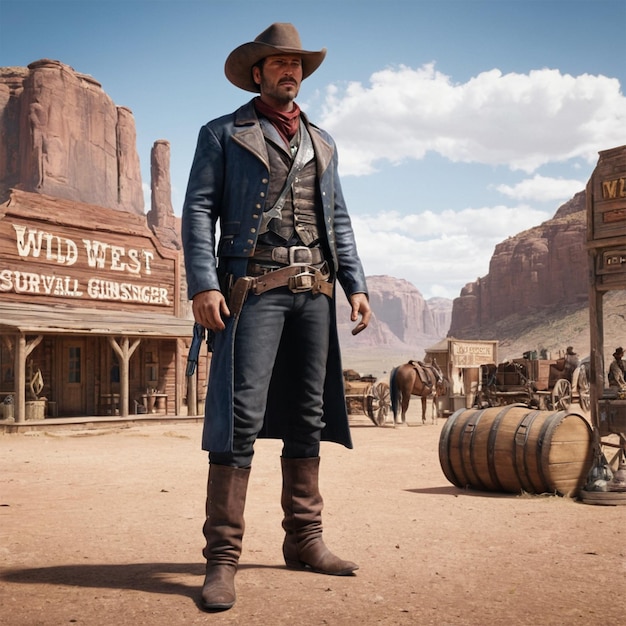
x,y
238,66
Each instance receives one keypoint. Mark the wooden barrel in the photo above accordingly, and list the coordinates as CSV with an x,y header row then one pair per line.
x,y
515,449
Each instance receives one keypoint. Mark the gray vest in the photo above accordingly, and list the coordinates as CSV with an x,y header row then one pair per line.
x,y
298,222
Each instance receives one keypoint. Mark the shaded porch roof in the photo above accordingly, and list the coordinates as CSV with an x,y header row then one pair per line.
x,y
63,319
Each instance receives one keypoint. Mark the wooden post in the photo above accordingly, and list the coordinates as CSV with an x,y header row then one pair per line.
x,y
20,378
124,353
179,378
22,350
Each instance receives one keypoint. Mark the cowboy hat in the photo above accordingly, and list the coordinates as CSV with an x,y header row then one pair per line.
x,y
618,352
279,38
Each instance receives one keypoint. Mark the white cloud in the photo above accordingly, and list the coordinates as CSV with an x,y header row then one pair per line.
x,y
522,121
543,188
438,253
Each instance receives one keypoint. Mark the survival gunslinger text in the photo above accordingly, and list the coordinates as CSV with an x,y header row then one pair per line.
x,y
96,288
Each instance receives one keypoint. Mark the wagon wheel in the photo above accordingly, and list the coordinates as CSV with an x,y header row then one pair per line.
x,y
378,403
584,389
561,395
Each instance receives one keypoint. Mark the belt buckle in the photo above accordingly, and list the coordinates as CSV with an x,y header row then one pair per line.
x,y
301,282
293,253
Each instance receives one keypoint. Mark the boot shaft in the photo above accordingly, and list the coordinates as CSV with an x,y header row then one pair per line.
x,y
301,500
225,503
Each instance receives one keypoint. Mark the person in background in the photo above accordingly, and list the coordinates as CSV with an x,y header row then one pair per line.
x,y
264,292
616,370
571,363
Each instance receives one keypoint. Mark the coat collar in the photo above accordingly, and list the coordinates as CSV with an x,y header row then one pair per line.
x,y
248,134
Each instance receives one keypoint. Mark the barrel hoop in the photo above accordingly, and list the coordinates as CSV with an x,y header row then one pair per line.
x,y
520,442
545,436
491,445
470,428
464,480
444,448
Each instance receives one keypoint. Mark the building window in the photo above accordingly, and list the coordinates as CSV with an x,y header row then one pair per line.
x,y
74,373
115,370
6,367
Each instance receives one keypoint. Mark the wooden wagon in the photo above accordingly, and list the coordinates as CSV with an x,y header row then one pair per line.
x,y
538,383
365,394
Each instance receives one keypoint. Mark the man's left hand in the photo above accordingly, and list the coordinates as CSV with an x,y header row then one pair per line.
x,y
360,306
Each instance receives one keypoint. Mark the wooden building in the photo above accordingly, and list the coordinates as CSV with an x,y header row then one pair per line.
x,y
90,314
460,361
606,248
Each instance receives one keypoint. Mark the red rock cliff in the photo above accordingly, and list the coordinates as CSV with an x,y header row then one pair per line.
x,y
540,268
64,137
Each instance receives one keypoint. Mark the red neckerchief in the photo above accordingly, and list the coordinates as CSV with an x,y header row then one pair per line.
x,y
286,123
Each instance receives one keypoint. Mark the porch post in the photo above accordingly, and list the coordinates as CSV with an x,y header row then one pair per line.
x,y
124,353
19,368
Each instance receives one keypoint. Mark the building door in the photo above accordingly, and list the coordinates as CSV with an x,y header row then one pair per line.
x,y
71,396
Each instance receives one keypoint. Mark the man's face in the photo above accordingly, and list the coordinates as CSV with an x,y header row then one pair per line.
x,y
279,80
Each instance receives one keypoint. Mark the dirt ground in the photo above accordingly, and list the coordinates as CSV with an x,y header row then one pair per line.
x,y
102,527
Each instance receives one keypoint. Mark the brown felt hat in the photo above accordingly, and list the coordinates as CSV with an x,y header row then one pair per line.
x,y
618,352
279,38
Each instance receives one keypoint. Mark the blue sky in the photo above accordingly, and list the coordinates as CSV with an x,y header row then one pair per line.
x,y
458,122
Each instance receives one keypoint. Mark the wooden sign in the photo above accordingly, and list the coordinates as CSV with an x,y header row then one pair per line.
x,y
606,196
606,220
55,251
472,353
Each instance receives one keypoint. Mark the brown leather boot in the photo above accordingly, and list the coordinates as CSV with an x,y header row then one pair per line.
x,y
223,530
302,504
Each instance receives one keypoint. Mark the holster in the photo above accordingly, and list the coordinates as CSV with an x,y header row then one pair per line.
x,y
238,294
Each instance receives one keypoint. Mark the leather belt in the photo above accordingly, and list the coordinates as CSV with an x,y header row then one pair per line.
x,y
297,278
294,255
261,269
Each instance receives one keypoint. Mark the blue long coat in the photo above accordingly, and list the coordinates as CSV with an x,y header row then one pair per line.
x,y
229,181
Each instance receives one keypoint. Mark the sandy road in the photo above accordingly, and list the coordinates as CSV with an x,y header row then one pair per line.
x,y
103,527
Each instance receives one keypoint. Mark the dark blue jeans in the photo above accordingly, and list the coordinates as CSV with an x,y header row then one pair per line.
x,y
277,317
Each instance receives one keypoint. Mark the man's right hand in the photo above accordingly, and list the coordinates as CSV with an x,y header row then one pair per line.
x,y
209,307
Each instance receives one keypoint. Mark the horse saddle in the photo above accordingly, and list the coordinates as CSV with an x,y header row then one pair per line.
x,y
426,373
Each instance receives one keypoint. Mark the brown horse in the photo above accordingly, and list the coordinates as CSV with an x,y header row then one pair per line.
x,y
424,380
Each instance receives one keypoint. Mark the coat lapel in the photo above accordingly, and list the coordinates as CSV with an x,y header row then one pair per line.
x,y
323,150
249,135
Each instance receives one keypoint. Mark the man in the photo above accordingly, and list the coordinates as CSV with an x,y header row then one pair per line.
x,y
616,370
270,177
570,364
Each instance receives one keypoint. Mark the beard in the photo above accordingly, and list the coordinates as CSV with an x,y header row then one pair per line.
x,y
283,92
